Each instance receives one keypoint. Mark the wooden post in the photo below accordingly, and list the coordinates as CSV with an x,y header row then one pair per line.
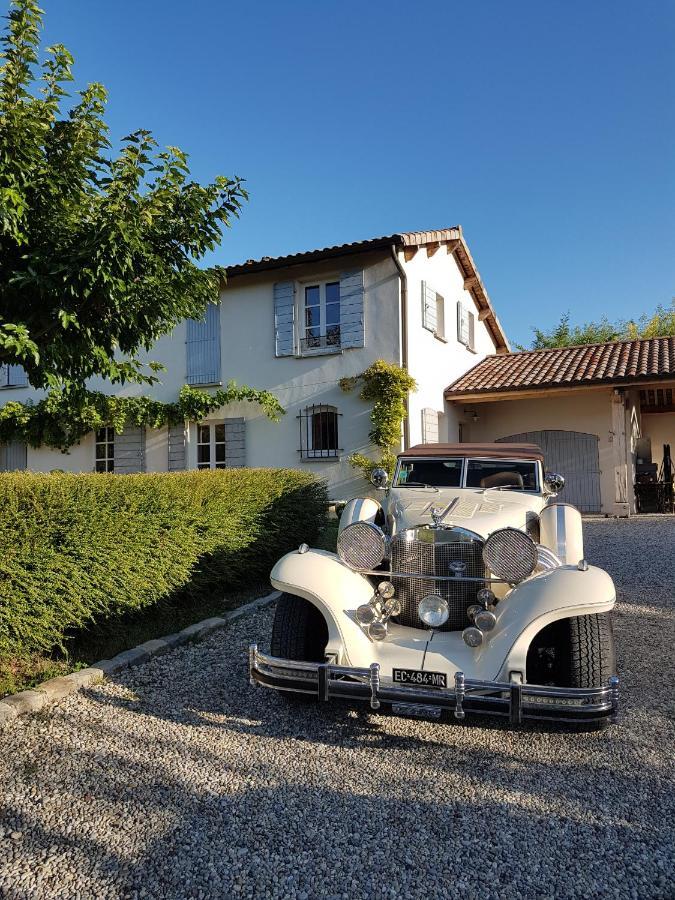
x,y
620,453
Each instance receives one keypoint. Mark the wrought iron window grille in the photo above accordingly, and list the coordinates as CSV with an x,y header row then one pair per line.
x,y
319,432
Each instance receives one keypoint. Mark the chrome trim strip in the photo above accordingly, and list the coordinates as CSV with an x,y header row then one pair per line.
x,y
560,531
514,700
385,572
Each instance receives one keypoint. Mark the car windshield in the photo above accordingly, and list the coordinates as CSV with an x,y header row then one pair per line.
x,y
508,474
434,472
501,473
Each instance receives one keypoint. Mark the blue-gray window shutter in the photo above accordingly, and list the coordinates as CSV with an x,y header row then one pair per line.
x,y
428,308
284,318
203,347
176,448
351,309
13,376
130,450
13,456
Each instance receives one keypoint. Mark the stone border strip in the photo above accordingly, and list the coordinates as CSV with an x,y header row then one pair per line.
x,y
57,688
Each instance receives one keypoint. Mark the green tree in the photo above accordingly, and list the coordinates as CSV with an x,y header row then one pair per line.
x,y
660,323
98,253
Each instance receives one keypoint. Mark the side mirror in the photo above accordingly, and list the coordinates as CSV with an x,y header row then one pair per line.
x,y
554,483
380,478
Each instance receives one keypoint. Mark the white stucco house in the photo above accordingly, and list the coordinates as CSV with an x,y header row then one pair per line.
x,y
296,325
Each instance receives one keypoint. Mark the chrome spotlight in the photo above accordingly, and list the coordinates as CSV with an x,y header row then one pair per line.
x,y
433,611
485,596
472,637
392,608
485,620
386,590
472,610
365,614
377,631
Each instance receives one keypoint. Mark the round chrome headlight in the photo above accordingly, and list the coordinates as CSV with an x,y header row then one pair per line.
x,y
433,611
510,554
361,546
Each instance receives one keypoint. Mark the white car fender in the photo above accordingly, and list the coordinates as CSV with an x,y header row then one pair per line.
x,y
560,593
334,589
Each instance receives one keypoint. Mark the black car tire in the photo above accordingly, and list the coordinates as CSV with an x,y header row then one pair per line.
x,y
299,632
576,652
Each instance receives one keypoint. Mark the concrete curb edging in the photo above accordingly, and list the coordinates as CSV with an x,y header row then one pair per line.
x,y
56,689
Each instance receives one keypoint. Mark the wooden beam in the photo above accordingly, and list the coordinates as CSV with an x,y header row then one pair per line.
x,y
432,248
409,253
484,314
451,246
470,282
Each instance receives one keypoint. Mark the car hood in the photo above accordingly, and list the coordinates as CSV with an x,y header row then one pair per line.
x,y
476,510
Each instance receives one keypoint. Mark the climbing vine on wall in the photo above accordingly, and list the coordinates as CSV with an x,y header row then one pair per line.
x,y
386,385
64,417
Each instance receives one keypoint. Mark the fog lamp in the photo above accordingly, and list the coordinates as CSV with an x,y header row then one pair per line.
x,y
485,596
433,611
392,608
377,631
472,610
472,637
386,590
365,614
485,620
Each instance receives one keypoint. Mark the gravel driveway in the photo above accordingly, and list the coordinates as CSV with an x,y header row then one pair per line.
x,y
180,780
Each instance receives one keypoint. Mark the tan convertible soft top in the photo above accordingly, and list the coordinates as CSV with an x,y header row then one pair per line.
x,y
496,451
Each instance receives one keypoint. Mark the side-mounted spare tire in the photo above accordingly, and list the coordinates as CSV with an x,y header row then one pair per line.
x,y
576,652
299,632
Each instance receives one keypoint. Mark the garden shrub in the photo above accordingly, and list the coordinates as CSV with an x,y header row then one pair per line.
x,y
82,549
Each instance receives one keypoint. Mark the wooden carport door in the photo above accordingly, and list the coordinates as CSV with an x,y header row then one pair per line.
x,y
573,454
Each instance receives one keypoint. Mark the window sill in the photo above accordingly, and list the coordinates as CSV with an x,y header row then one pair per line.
x,y
13,387
204,384
440,337
321,459
320,351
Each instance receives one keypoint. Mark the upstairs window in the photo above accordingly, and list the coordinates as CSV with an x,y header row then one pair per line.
x,y
465,326
105,450
433,311
319,432
321,322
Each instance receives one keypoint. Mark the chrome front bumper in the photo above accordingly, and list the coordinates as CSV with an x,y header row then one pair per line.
x,y
518,702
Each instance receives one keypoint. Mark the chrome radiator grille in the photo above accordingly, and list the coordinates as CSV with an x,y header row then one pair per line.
x,y
433,557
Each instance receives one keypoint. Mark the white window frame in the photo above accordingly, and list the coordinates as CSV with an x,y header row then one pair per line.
x,y
212,443
301,304
307,449
104,437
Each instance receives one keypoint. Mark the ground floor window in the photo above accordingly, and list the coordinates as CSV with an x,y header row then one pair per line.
x,y
105,450
211,446
319,432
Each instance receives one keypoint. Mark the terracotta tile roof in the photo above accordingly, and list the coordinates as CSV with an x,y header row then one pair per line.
x,y
404,240
646,359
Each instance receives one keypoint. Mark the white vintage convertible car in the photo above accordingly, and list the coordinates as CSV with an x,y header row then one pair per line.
x,y
465,590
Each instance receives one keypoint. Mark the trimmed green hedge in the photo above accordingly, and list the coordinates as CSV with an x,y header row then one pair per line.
x,y
80,549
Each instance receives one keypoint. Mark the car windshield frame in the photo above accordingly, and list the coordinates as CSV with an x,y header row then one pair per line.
x,y
465,466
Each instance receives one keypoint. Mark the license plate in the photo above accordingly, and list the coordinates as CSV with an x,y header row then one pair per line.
x,y
421,679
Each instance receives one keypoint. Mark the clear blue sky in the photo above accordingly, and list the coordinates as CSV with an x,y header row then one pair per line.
x,y
545,129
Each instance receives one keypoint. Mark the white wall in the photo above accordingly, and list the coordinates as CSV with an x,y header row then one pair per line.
x,y
433,363
79,458
247,341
